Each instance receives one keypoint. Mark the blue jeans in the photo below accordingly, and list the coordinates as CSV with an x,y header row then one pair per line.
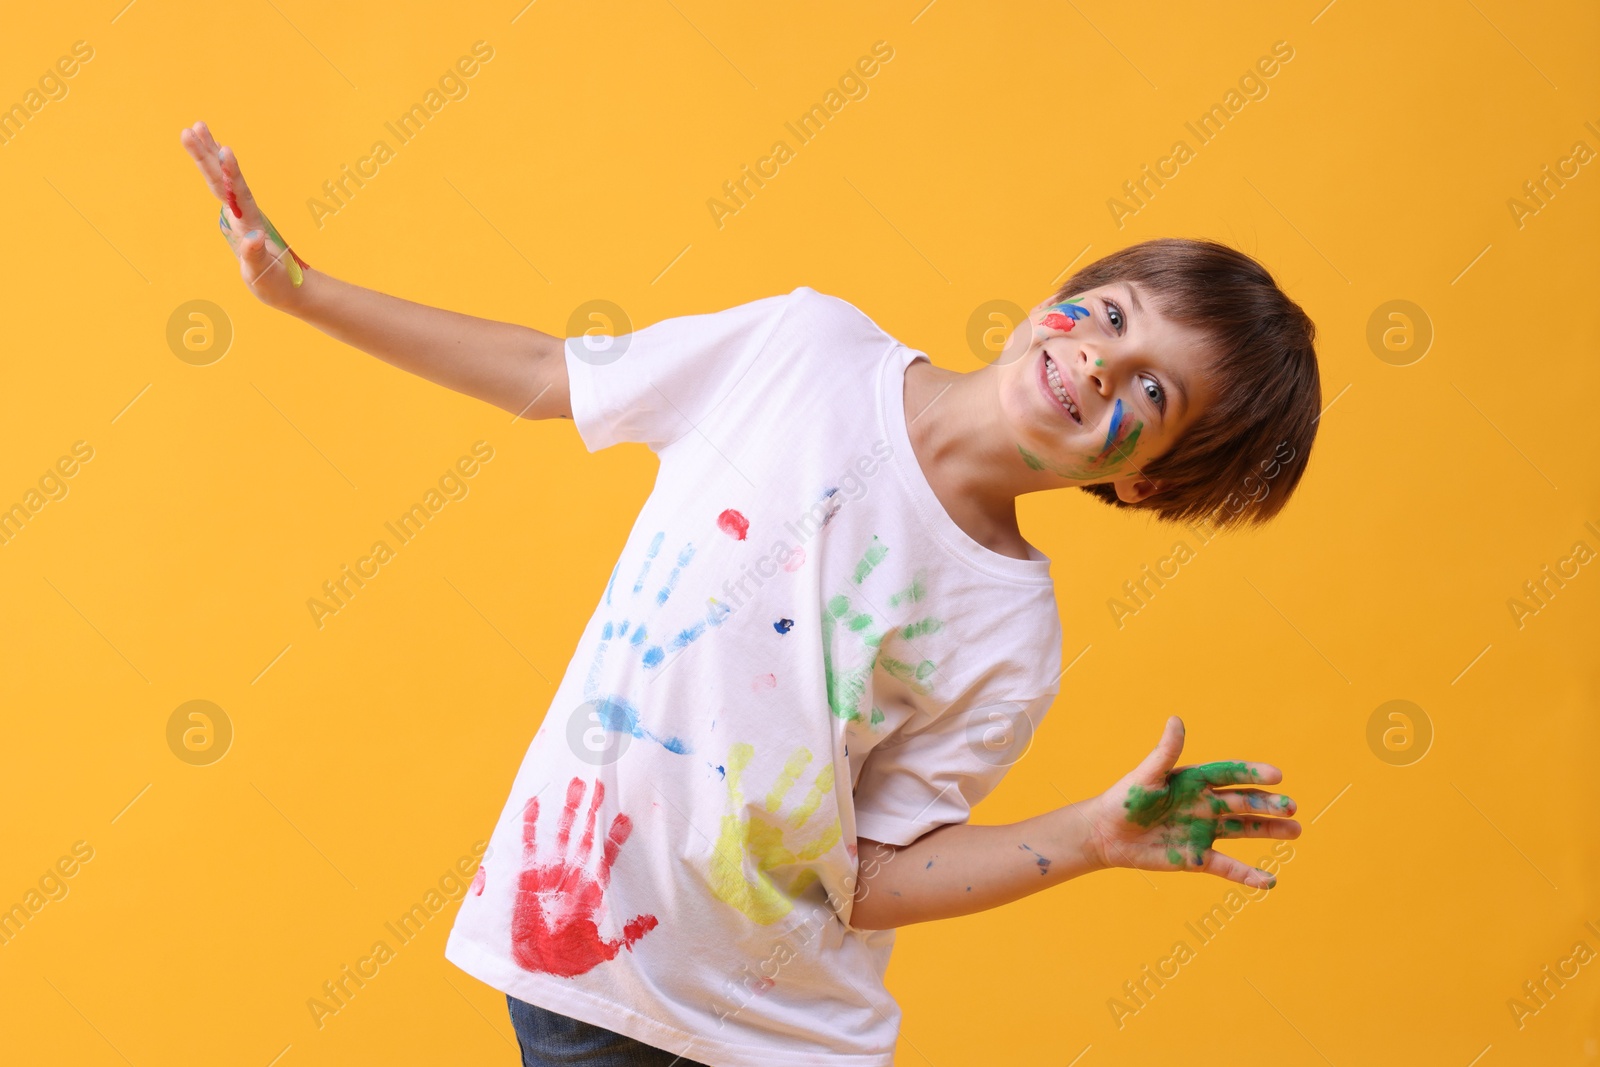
x,y
552,1040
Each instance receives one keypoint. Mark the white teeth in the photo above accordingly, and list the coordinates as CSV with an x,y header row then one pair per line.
x,y
1054,377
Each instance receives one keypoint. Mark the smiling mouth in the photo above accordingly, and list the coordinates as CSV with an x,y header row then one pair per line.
x,y
1052,375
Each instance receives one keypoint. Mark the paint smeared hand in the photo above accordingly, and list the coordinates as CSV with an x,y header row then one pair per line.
x,y
1165,818
269,267
553,928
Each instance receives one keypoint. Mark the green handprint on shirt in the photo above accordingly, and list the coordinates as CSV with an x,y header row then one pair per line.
x,y
841,620
763,840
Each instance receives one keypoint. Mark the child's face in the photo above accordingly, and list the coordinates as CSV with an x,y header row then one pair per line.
x,y
1133,383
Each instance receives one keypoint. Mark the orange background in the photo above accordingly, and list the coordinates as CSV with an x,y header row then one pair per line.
x,y
369,755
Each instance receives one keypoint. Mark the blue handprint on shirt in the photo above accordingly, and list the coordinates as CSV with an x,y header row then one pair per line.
x,y
613,712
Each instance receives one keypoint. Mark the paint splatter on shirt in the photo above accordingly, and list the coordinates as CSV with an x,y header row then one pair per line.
x,y
796,649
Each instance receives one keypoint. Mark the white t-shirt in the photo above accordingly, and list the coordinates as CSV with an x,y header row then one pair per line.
x,y
797,646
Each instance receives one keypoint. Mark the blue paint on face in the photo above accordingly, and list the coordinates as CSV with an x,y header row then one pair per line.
x,y
1116,424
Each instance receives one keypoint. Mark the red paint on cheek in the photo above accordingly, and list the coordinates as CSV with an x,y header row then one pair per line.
x,y
1057,321
733,524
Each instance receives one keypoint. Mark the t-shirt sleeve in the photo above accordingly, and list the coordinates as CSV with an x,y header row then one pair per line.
x,y
657,383
917,782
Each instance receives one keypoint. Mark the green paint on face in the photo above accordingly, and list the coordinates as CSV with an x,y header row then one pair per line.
x,y
1030,459
1169,809
1099,363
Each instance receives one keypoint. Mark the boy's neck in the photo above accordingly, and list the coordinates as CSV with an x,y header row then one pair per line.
x,y
955,426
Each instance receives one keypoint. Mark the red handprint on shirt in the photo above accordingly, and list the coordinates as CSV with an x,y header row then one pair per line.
x,y
553,928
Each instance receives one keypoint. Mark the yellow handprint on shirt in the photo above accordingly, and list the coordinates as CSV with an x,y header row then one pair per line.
x,y
762,839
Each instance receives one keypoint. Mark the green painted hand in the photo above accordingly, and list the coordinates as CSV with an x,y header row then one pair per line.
x,y
844,625
1165,818
269,267
753,889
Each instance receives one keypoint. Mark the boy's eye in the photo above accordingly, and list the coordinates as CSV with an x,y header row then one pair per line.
x,y
1157,395
1114,315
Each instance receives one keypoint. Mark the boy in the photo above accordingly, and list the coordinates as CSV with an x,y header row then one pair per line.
x,y
826,638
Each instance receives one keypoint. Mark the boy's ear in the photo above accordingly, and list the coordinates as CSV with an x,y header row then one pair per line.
x,y
1136,489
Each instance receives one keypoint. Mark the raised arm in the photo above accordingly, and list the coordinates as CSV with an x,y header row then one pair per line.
x,y
1156,818
513,367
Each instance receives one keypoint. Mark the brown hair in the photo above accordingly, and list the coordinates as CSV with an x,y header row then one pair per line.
x,y
1240,460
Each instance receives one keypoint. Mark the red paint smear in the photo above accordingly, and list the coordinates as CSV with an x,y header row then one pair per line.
x,y
796,561
733,524
233,201
1057,321
303,264
477,882
553,930
765,681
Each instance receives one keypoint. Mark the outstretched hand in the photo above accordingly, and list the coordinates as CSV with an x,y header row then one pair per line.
x,y
1165,818
269,267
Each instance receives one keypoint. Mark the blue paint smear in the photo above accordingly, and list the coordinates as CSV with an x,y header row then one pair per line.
x,y
1116,423
783,626
618,716
672,579
649,555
